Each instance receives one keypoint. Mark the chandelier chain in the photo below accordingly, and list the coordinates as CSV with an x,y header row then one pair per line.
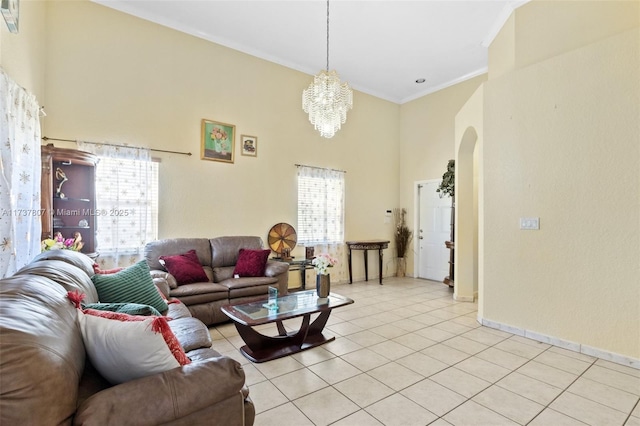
x,y
327,35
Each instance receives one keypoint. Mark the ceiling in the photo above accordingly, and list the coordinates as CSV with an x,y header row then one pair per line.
x,y
378,47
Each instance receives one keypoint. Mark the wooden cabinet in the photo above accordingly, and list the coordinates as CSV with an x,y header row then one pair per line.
x,y
69,196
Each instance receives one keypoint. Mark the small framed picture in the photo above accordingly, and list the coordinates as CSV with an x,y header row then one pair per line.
x,y
218,140
249,145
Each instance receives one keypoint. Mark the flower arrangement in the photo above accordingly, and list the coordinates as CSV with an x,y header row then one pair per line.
x,y
403,234
323,262
58,242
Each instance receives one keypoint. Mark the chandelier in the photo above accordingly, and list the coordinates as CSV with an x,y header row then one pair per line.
x,y
327,100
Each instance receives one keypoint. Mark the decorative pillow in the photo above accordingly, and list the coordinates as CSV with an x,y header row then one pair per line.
x,y
124,308
131,285
129,347
251,263
185,267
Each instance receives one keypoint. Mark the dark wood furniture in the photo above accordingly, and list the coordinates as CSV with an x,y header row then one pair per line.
x,y
67,192
261,348
298,265
366,245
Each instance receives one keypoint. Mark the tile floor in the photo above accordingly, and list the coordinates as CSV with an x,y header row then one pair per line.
x,y
407,354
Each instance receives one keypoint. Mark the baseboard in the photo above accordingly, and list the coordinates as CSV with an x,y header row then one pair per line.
x,y
562,343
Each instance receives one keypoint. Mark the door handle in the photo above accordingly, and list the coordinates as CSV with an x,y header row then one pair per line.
x,y
420,237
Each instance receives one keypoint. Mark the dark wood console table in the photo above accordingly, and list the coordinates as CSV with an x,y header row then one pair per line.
x,y
367,245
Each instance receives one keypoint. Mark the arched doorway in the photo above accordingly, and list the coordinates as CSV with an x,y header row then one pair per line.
x,y
467,217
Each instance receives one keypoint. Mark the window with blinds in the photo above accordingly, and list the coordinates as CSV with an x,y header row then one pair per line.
x,y
127,204
320,206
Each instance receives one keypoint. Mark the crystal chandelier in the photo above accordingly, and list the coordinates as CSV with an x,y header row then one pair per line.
x,y
327,100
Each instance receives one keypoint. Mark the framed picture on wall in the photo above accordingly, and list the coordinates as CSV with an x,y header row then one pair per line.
x,y
11,12
218,141
249,145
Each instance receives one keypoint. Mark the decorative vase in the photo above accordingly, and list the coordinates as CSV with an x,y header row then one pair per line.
x,y
401,266
323,285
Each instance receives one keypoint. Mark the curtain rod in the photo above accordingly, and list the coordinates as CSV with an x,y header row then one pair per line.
x,y
45,138
320,168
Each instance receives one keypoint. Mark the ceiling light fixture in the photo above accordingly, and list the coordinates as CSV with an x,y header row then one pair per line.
x,y
327,100
420,80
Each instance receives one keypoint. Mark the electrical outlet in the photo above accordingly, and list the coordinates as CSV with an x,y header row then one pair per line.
x,y
530,223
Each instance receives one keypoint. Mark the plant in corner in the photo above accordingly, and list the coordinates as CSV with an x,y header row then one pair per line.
x,y
447,186
403,236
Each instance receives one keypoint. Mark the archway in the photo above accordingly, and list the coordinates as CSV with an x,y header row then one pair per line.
x,y
466,217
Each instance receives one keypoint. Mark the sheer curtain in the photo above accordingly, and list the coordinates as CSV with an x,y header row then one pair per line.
x,y
127,197
321,215
20,213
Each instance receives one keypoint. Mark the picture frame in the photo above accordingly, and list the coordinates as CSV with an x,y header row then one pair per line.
x,y
11,12
217,141
249,145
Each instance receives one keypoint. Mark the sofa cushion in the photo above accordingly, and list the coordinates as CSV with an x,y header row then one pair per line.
x,y
130,347
225,250
172,246
191,333
131,285
251,263
185,267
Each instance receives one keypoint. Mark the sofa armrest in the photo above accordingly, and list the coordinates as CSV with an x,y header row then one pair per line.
x,y
275,268
161,278
166,397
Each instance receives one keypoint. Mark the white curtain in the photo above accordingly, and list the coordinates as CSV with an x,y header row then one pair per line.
x,y
321,215
126,192
20,213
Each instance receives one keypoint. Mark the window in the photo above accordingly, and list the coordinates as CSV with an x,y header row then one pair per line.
x,y
127,191
320,206
126,202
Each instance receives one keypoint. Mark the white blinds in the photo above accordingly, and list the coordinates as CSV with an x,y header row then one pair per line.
x,y
320,206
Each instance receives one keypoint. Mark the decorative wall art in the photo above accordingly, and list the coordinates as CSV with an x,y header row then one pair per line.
x,y
218,141
249,145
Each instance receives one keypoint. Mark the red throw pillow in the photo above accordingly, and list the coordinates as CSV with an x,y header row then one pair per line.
x,y
251,263
185,268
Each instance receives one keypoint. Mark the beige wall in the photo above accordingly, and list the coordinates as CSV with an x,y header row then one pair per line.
x,y
22,55
561,142
112,77
427,127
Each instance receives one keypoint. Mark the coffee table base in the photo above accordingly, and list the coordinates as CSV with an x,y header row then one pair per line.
x,y
261,348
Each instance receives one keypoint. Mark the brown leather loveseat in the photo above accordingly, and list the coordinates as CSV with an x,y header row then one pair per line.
x,y
218,257
47,379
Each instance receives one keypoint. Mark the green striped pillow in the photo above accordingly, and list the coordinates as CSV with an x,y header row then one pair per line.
x,y
131,285
124,308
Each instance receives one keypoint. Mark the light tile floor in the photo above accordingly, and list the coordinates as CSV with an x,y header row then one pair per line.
x,y
406,353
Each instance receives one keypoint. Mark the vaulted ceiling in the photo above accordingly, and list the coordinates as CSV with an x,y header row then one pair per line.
x,y
378,47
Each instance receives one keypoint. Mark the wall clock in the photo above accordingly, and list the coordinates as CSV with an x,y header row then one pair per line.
x,y
11,12
282,236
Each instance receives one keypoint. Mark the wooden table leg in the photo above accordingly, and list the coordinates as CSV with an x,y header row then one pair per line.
x,y
380,264
349,258
261,348
366,265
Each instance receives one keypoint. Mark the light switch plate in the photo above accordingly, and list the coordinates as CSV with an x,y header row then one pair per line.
x,y
530,223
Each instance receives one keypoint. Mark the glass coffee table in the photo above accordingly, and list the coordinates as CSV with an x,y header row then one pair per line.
x,y
261,348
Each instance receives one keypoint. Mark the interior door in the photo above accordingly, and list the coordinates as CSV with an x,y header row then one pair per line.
x,y
434,229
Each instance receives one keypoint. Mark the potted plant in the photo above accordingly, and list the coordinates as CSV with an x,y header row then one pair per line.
x,y
403,236
447,187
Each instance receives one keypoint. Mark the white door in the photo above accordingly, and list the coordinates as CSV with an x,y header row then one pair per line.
x,y
434,228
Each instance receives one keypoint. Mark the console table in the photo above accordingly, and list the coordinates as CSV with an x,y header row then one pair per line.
x,y
298,265
367,245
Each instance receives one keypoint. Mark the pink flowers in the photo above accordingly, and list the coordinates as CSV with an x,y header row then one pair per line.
x,y
323,262
218,134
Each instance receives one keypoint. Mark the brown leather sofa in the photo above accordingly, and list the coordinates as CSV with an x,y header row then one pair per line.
x,y
218,257
46,378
